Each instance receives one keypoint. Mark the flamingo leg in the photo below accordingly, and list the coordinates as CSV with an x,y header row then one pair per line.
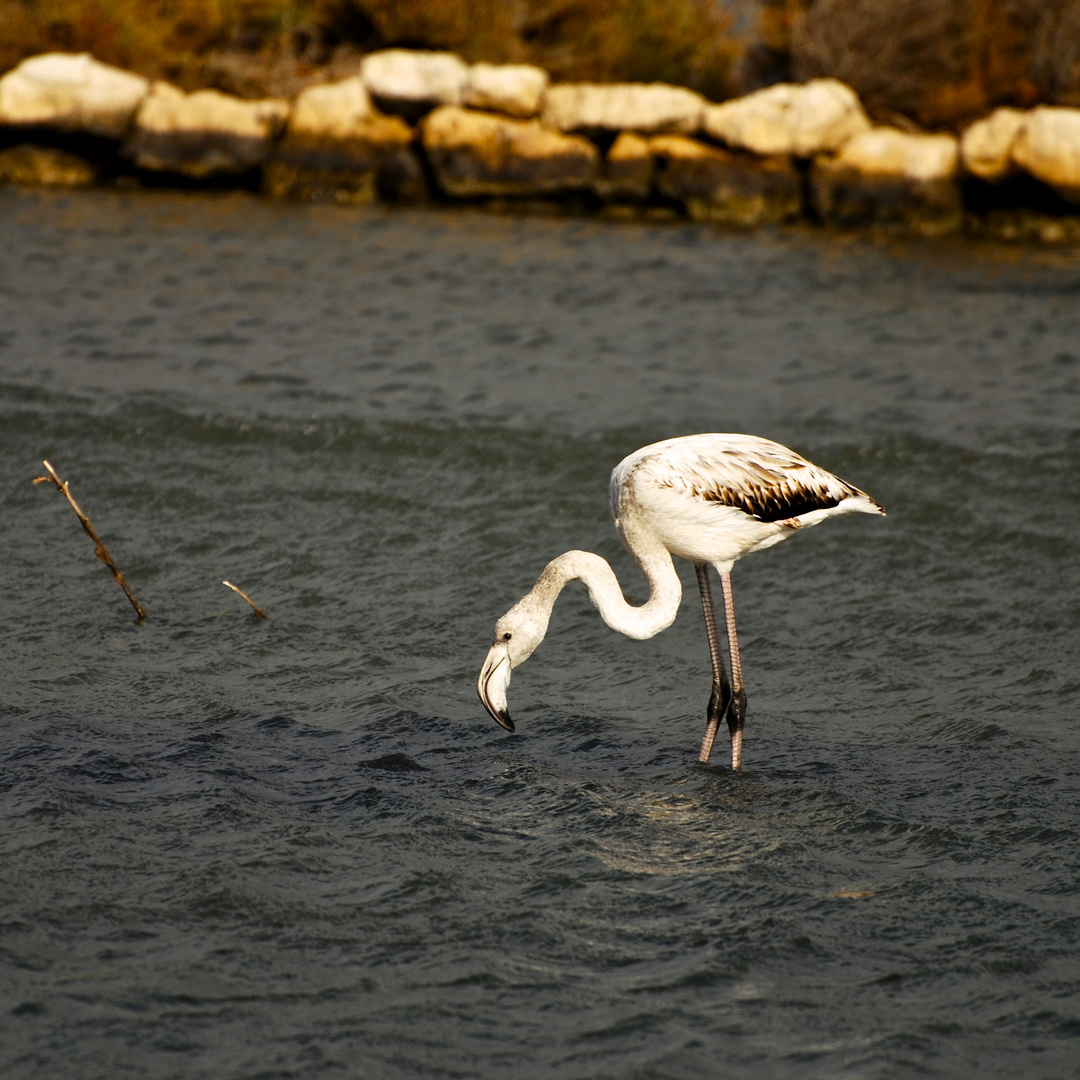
x,y
736,713
720,699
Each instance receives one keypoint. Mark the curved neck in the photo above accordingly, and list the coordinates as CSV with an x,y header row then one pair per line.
x,y
595,573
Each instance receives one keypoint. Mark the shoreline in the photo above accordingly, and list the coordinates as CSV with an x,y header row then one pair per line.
x,y
420,127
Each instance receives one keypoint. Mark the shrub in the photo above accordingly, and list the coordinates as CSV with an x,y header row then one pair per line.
x,y
941,62
200,41
153,37
1056,53
676,41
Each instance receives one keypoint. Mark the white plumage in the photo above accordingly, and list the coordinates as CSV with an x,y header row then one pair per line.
x,y
707,498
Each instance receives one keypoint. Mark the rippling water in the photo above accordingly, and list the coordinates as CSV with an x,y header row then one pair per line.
x,y
300,848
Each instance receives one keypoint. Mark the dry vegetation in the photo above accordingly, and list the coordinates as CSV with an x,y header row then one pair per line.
x,y
942,62
100,550
253,47
937,63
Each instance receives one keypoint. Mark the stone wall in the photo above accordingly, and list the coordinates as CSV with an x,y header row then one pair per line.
x,y
417,126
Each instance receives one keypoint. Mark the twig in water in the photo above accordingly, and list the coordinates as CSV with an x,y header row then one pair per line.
x,y
259,613
100,550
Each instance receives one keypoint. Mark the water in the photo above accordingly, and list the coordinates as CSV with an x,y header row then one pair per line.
x,y
300,848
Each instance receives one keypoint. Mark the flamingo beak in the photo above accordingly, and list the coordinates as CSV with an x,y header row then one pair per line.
x,y
492,684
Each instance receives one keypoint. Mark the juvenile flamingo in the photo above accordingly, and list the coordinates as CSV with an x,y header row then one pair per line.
x,y
706,498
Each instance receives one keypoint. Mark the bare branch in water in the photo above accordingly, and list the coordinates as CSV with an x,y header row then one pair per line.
x,y
259,613
100,550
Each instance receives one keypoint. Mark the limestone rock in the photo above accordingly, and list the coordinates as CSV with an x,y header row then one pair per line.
x,y
1048,147
403,178
45,166
626,172
202,134
789,118
717,185
514,89
986,146
336,146
331,110
886,175
71,93
475,154
890,152
411,83
647,108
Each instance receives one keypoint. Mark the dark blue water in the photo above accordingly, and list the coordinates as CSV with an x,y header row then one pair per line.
x,y
300,848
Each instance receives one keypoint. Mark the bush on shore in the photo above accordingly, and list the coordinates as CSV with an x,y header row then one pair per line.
x,y
258,47
942,63
930,63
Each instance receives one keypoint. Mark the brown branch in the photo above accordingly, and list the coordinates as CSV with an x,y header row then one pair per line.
x,y
100,550
259,613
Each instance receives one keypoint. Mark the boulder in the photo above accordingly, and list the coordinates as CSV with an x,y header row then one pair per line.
x,y
45,166
986,146
403,178
71,93
202,134
626,172
331,111
336,146
1048,147
514,89
647,108
789,118
718,185
887,175
477,154
411,83
889,152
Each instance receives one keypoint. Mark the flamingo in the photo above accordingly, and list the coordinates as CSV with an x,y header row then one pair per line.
x,y
707,498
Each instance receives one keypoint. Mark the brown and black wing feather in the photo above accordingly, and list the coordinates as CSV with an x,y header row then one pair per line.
x,y
776,494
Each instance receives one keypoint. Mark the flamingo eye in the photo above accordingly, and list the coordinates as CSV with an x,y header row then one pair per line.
x,y
506,636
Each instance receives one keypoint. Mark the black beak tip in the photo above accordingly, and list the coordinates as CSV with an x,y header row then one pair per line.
x,y
504,719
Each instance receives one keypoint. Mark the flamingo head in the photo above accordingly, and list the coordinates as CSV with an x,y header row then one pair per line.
x,y
517,635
